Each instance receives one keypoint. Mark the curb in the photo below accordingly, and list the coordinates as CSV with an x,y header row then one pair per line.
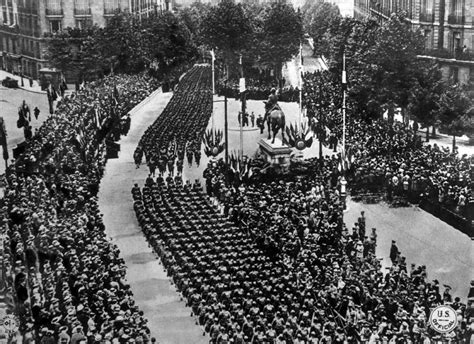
x,y
32,91
145,101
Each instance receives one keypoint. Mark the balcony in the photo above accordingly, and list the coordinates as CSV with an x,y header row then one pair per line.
x,y
455,19
446,54
54,12
82,12
427,17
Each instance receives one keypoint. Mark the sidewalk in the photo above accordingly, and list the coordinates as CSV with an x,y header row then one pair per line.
x,y
26,82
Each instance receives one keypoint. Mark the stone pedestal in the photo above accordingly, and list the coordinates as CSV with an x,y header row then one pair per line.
x,y
277,154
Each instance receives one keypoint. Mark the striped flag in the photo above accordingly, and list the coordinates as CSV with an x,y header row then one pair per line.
x,y
97,119
213,55
301,66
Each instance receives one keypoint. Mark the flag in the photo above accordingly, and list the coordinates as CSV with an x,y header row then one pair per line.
x,y
301,66
250,172
116,92
80,141
97,119
115,96
344,78
3,139
213,56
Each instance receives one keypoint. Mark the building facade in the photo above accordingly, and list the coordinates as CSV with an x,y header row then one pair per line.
x,y
447,25
24,23
185,3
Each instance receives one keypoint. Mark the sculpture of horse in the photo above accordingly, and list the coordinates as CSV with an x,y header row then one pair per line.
x,y
276,121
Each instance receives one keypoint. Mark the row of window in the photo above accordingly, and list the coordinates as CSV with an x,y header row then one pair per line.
x,y
57,25
21,46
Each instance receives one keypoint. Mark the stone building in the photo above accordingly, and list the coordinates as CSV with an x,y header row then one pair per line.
x,y
447,25
24,23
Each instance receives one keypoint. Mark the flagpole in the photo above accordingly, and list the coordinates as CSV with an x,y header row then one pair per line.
x,y
344,86
344,83
301,86
226,133
213,93
242,90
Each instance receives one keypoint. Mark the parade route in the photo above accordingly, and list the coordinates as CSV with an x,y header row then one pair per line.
x,y
168,318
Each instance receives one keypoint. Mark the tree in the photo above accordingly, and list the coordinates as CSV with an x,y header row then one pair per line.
x,y
74,51
317,18
282,35
193,17
396,48
120,43
381,62
361,68
167,42
454,106
228,28
425,96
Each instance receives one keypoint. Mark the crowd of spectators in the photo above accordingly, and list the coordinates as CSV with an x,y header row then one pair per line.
x,y
257,89
64,276
178,131
391,158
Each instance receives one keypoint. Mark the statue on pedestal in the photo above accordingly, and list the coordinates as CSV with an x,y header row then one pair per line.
x,y
274,116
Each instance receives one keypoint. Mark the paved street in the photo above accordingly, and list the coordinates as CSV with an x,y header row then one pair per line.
x,y
423,239
10,100
169,319
310,65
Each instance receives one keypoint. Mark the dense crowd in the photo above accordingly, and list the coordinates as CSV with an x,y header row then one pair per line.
x,y
274,263
179,129
394,159
65,277
257,89
391,158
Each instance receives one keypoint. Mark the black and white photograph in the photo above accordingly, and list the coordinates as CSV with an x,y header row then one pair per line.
x,y
237,172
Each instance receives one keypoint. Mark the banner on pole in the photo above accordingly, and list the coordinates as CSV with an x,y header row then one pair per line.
x,y
242,85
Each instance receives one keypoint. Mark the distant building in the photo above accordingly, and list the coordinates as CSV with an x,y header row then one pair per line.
x,y
448,27
185,3
23,24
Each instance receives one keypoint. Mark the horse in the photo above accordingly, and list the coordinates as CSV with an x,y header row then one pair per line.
x,y
275,120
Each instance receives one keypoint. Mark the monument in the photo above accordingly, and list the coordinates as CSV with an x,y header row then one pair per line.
x,y
277,154
274,150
